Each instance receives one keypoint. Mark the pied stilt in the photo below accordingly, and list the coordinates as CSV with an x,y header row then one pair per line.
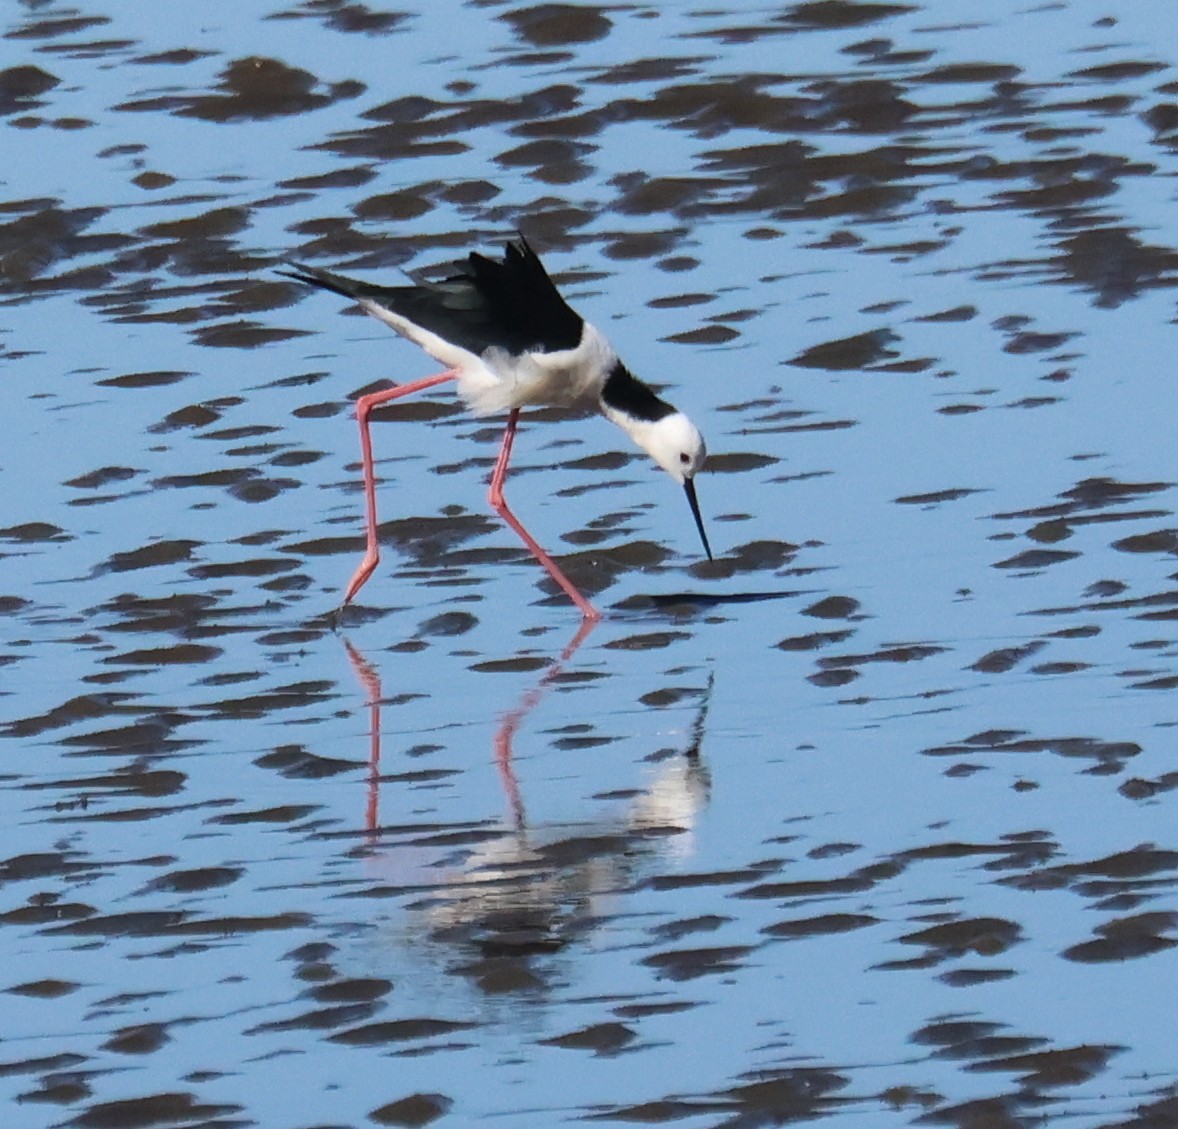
x,y
510,340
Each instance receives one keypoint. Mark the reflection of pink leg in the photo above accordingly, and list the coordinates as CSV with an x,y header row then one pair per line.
x,y
495,495
512,721
370,679
364,406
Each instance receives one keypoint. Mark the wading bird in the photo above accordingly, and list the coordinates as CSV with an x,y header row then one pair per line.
x,y
510,340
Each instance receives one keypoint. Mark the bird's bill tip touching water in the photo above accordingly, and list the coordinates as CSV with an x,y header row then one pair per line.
x,y
689,490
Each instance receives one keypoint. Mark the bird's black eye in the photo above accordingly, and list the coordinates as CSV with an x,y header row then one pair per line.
x,y
684,457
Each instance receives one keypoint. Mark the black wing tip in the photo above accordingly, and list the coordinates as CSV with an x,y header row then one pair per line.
x,y
313,276
300,272
514,249
518,247
519,260
519,263
521,246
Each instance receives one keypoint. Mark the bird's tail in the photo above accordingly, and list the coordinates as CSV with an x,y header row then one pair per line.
x,y
313,276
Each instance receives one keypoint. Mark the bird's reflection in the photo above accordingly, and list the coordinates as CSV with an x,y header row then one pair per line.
x,y
370,679
512,720
504,736
516,889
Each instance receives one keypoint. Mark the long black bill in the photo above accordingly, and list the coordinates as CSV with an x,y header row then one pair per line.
x,y
689,489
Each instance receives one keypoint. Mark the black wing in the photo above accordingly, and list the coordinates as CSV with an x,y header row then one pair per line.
x,y
512,303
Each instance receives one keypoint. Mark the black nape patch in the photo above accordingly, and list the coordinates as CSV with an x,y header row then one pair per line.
x,y
624,392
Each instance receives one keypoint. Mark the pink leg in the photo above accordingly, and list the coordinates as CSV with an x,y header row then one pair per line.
x,y
499,503
364,406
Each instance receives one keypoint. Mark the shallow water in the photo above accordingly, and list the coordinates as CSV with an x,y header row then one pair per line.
x,y
871,819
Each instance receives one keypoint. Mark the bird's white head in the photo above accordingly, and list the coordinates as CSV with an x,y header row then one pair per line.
x,y
674,442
